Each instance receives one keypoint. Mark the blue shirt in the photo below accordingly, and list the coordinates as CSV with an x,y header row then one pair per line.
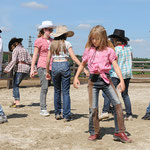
x,y
124,54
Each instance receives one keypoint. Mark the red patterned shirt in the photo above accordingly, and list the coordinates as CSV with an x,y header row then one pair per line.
x,y
21,60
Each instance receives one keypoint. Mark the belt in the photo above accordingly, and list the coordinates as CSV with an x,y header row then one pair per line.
x,y
22,62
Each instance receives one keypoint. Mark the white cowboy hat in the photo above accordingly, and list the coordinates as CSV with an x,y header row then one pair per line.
x,y
60,30
46,24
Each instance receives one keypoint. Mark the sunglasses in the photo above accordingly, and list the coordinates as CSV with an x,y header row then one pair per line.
x,y
49,29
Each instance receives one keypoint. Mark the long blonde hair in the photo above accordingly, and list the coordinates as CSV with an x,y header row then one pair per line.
x,y
99,33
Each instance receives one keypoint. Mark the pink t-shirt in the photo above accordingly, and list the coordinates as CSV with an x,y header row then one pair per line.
x,y
42,44
99,61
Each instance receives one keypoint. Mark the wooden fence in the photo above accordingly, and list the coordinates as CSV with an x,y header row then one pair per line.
x,y
139,67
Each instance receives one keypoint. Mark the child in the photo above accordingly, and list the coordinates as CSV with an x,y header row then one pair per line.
x,y
99,58
124,55
41,48
147,115
60,49
20,64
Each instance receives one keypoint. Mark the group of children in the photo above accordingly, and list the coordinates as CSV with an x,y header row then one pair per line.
x,y
109,65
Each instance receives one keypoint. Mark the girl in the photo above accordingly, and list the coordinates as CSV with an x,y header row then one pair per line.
x,y
60,49
99,58
124,55
20,64
41,48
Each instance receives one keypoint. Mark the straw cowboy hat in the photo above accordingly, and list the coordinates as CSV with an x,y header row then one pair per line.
x,y
12,41
60,30
118,33
46,24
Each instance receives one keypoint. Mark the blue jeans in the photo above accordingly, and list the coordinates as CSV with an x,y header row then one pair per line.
x,y
94,86
1,111
148,109
124,95
61,75
18,77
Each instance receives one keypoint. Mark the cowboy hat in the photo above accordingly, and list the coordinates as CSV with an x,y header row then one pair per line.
x,y
46,24
12,41
118,33
60,30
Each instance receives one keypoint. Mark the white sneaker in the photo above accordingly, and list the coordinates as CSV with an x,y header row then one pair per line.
x,y
128,118
104,115
44,113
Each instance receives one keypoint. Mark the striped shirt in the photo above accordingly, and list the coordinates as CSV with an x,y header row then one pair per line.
x,y
19,54
124,54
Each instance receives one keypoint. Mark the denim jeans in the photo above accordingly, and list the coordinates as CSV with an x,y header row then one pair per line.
x,y
148,109
1,111
109,90
18,77
124,95
61,75
44,87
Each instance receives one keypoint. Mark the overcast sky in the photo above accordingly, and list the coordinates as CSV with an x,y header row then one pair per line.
x,y
20,18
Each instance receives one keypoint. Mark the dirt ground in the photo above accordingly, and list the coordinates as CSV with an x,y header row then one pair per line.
x,y
27,130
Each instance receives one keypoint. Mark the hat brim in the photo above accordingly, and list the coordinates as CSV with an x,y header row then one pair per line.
x,y
45,26
19,40
68,33
116,36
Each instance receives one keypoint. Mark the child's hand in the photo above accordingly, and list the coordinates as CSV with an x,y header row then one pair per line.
x,y
5,71
48,76
121,86
32,74
76,83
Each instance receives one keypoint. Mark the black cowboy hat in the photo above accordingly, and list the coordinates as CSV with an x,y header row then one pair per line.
x,y
0,31
118,33
12,41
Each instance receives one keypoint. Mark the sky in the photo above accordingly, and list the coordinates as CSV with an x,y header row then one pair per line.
x,y
20,18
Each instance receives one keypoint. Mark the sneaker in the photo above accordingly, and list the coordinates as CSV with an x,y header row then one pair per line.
x,y
67,119
3,119
44,113
103,116
58,117
146,116
93,137
128,118
122,137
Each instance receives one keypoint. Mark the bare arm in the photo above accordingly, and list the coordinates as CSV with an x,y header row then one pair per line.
x,y
121,85
34,59
76,82
76,60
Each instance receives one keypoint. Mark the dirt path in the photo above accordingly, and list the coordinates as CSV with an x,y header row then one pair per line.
x,y
27,130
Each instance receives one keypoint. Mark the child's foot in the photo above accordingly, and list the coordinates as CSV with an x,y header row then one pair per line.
x,y
122,137
104,115
3,119
93,137
44,113
58,117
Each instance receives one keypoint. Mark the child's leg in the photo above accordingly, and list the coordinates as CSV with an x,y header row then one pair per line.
x,y
126,98
93,109
111,93
18,77
44,88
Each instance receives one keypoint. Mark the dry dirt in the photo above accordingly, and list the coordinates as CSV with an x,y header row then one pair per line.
x,y
27,130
